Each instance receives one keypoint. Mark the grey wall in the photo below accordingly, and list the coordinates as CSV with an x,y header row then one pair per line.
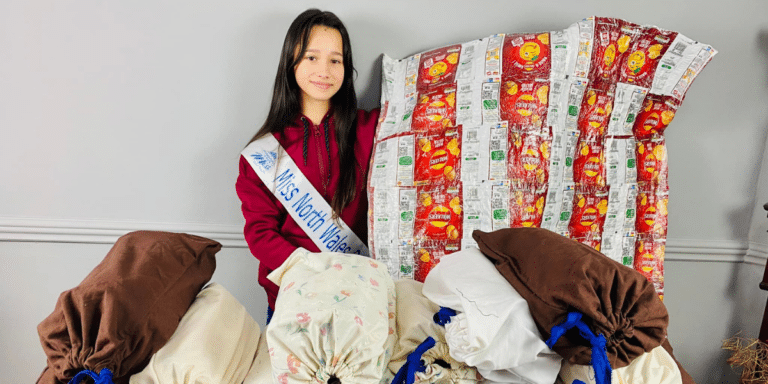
x,y
117,116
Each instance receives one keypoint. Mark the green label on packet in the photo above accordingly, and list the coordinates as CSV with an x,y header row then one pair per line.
x,y
490,104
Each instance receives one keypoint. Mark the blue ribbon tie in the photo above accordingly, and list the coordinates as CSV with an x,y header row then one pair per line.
x,y
443,316
104,376
600,362
413,363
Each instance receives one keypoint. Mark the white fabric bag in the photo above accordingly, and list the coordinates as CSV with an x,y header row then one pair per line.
x,y
334,317
493,329
654,367
215,343
414,325
261,370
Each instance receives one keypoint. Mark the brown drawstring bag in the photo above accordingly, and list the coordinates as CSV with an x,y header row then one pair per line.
x,y
557,275
127,307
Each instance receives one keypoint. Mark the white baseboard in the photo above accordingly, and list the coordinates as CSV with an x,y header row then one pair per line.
x,y
107,232
729,251
756,254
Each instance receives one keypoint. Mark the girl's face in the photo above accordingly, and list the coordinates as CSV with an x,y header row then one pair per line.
x,y
320,72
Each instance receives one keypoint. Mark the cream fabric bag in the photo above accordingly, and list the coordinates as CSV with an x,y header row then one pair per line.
x,y
654,367
414,325
493,329
215,343
334,317
261,370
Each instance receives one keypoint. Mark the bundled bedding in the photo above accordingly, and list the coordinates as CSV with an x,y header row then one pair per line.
x,y
334,319
127,307
215,343
493,329
556,275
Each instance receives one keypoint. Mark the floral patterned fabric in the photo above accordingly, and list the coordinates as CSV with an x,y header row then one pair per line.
x,y
334,317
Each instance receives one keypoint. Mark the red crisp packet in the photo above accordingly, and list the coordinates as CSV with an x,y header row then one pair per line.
x,y
529,153
589,163
589,208
595,112
438,66
438,157
652,166
656,114
526,56
439,212
611,41
435,109
524,103
593,241
639,64
649,260
428,253
652,211
526,205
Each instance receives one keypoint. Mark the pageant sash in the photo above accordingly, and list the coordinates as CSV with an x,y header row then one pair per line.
x,y
306,206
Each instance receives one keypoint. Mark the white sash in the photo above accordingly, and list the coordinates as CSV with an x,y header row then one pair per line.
x,y
306,206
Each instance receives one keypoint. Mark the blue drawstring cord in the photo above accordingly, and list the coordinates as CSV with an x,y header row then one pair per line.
x,y
559,330
600,361
104,376
443,316
413,363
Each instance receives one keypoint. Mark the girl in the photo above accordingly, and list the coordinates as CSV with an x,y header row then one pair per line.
x,y
314,118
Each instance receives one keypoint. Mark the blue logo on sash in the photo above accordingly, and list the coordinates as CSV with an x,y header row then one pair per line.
x,y
265,159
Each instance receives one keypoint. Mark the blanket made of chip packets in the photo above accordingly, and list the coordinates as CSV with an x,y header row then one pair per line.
x,y
562,130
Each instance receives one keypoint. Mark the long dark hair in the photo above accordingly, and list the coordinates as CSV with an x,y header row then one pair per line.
x,y
286,99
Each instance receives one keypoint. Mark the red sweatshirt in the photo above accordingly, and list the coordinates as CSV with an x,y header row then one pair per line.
x,y
271,233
